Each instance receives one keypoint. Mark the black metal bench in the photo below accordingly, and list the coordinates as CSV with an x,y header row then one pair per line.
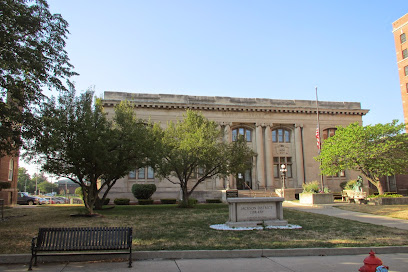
x,y
53,241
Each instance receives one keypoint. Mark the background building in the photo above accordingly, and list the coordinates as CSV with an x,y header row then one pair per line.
x,y
279,131
9,173
400,31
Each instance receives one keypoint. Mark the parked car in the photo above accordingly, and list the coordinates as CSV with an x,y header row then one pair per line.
x,y
51,200
62,200
24,198
41,200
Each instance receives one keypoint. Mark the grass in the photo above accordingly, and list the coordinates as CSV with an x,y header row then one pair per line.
x,y
166,227
395,211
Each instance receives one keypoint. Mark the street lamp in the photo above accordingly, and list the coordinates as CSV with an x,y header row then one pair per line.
x,y
283,171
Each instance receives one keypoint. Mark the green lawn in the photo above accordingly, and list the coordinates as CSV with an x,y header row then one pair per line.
x,y
166,227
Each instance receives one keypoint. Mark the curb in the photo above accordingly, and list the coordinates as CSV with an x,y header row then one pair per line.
x,y
207,254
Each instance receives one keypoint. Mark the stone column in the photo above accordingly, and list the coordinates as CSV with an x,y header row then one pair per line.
x,y
260,161
299,156
228,138
269,157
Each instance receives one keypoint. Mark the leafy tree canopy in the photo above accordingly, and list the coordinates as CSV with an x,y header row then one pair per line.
x,y
77,141
195,146
32,42
374,150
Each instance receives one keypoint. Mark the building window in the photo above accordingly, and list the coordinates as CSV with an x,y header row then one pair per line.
x,y
407,87
150,173
141,173
405,53
277,162
340,174
329,132
403,38
281,135
132,174
244,132
406,70
11,170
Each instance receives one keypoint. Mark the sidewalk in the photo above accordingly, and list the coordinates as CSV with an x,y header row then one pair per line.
x,y
397,263
329,210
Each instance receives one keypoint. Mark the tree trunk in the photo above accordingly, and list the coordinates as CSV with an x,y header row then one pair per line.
x,y
380,188
185,202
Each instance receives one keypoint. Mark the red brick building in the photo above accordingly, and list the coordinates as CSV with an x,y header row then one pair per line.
x,y
400,31
9,173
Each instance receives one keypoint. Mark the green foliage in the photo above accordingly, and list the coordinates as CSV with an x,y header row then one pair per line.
x,y
33,58
343,185
77,141
196,143
4,185
168,201
78,192
24,181
375,150
215,200
392,195
311,187
145,201
121,201
350,184
143,191
47,187
326,190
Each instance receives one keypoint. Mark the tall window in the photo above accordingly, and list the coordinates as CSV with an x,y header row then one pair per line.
x,y
142,173
11,170
281,135
244,132
403,38
329,132
277,162
406,70
405,53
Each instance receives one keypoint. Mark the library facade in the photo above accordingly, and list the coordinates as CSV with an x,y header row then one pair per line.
x,y
281,132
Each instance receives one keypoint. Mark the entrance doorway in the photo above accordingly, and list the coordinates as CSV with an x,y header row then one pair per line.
x,y
244,180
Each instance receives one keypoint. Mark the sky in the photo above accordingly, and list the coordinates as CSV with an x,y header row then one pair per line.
x,y
249,49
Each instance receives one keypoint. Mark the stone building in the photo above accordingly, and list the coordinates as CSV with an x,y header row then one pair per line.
x,y
279,131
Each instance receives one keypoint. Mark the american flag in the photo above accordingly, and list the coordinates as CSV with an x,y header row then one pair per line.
x,y
318,138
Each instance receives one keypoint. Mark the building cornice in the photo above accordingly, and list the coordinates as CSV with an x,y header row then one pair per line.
x,y
231,104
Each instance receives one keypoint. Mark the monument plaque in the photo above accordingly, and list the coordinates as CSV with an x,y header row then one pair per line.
x,y
252,212
232,193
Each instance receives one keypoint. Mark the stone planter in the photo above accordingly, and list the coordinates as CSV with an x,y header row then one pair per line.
x,y
389,201
311,199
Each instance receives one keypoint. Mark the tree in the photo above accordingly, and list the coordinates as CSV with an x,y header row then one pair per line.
x,y
375,150
195,144
32,57
46,187
78,142
24,181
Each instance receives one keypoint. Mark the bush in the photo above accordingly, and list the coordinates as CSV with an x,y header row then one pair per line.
x,y
145,201
106,201
121,201
350,184
311,187
214,200
343,185
191,203
168,201
385,195
78,191
143,191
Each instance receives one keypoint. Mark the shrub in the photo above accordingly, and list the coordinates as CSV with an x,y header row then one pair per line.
x,y
350,184
311,187
78,191
143,191
106,201
214,200
343,185
168,201
385,195
4,185
191,203
145,201
121,201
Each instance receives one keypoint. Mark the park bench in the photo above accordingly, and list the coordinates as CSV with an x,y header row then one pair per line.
x,y
69,241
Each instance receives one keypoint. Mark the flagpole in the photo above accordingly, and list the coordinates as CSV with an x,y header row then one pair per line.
x,y
319,144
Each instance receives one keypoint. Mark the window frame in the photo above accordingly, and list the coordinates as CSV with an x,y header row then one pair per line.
x,y
403,38
406,70
277,162
246,133
11,170
405,53
281,135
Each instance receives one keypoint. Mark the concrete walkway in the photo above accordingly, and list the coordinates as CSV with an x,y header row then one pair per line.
x,y
397,263
356,216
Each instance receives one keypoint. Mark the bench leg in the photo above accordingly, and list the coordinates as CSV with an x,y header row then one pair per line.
x,y
30,267
130,258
